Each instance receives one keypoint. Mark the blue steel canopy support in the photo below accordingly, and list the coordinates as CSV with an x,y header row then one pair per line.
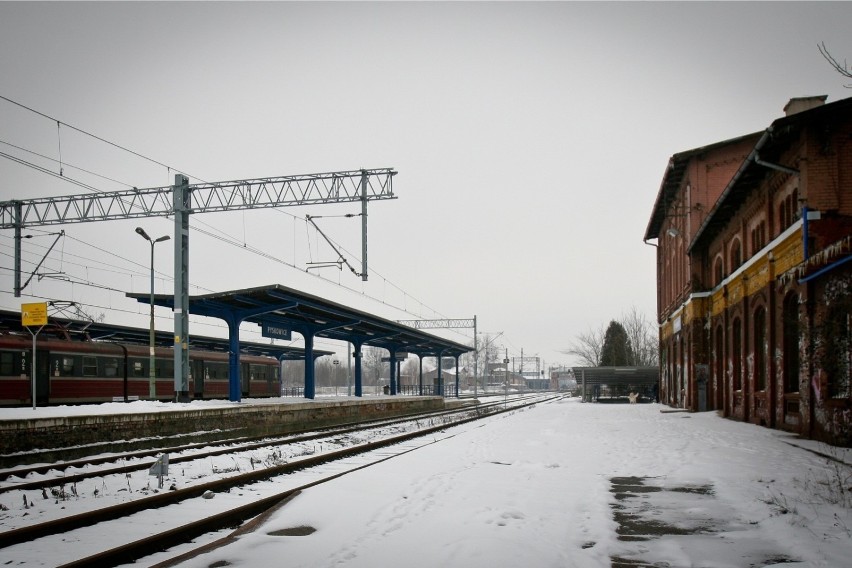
x,y
392,366
358,373
310,366
440,387
234,387
458,372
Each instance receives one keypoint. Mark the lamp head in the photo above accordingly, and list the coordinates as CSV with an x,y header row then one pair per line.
x,y
142,232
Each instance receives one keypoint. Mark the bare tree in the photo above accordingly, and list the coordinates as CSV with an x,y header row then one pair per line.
x,y
588,347
373,365
642,336
323,371
411,370
293,374
488,354
842,69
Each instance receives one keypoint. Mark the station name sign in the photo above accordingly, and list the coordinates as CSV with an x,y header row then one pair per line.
x,y
275,331
400,356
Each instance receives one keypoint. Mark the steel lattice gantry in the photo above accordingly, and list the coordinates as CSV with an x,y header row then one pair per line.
x,y
451,323
183,199
310,316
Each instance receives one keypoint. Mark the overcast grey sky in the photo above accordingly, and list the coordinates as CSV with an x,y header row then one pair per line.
x,y
530,141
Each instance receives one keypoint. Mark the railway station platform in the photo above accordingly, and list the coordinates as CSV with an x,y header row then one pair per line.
x,y
42,429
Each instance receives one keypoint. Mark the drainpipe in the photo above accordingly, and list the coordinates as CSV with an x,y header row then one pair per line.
x,y
805,232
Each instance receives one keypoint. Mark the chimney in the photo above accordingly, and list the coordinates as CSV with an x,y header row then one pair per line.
x,y
801,104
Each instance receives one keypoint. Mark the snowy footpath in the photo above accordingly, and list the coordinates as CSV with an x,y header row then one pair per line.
x,y
568,484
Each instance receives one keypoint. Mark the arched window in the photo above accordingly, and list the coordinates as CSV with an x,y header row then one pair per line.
x,y
760,347
791,343
737,353
718,271
736,254
794,205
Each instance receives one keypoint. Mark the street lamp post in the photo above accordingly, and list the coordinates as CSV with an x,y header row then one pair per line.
x,y
152,374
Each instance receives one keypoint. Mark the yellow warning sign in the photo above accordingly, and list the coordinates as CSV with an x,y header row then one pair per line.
x,y
34,314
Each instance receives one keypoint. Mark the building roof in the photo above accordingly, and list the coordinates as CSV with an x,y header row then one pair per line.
x,y
772,144
673,179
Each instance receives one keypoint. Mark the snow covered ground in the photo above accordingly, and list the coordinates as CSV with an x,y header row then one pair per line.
x,y
534,488
555,485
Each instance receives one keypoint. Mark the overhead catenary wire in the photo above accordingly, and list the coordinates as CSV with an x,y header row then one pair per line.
x,y
63,164
49,172
230,240
96,137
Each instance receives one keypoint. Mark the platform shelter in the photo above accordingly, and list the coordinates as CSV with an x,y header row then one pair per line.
x,y
280,310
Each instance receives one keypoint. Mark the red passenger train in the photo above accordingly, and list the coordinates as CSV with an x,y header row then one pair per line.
x,y
73,372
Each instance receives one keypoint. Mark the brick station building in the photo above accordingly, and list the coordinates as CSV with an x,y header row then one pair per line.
x,y
754,274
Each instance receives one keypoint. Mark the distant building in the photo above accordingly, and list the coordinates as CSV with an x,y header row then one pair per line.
x,y
754,243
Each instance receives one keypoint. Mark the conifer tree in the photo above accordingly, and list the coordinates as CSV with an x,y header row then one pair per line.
x,y
616,348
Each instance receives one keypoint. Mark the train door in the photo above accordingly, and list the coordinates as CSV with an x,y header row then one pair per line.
x,y
197,372
245,378
42,377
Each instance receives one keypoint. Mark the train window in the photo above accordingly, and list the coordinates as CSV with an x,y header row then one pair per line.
x,y
138,369
217,370
7,364
62,365
259,373
111,368
167,369
90,366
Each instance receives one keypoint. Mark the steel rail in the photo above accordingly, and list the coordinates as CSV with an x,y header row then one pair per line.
x,y
66,524
247,443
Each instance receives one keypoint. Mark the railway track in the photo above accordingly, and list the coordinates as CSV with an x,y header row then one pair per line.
x,y
11,464
226,501
51,475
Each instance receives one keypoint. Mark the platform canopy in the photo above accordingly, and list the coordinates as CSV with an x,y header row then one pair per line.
x,y
616,375
286,308
280,310
71,329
